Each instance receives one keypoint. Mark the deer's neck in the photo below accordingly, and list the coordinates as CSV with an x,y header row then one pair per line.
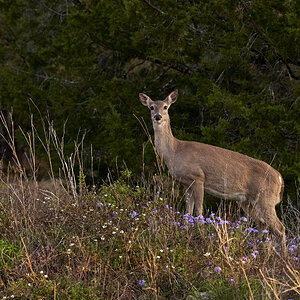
x,y
165,142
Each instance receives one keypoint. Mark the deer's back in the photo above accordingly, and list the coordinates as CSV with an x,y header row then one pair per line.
x,y
222,170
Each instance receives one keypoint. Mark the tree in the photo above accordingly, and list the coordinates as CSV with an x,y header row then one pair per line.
x,y
236,65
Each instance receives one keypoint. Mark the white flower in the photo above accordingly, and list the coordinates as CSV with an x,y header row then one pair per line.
x,y
206,254
157,256
113,232
161,250
121,231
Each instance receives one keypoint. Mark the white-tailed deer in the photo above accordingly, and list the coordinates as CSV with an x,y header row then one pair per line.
x,y
220,172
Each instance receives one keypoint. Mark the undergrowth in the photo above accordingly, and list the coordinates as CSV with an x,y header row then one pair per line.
x,y
130,239
123,241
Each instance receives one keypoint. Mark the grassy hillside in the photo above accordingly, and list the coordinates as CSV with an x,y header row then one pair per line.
x,y
130,239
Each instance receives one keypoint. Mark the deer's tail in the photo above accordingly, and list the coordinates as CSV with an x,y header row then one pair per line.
x,y
281,190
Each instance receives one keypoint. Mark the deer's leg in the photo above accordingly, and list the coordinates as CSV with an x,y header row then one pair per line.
x,y
198,194
189,201
250,211
268,213
275,225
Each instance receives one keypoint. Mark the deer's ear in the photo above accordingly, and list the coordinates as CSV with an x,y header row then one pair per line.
x,y
172,97
145,100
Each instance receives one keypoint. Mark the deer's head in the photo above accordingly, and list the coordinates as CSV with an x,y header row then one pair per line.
x,y
159,108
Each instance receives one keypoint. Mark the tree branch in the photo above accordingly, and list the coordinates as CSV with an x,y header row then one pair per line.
x,y
155,7
270,43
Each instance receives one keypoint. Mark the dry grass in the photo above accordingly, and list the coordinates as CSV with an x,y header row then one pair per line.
x,y
128,239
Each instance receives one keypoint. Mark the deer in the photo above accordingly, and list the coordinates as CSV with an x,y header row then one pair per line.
x,y
254,184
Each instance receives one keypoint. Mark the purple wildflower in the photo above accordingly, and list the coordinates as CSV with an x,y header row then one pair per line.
x,y
250,229
265,231
142,282
133,214
100,204
217,269
115,212
186,216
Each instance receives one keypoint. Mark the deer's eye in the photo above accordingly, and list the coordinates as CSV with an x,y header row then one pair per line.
x,y
151,107
165,107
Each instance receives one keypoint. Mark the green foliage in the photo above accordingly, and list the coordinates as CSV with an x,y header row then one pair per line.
x,y
9,255
121,189
237,70
41,287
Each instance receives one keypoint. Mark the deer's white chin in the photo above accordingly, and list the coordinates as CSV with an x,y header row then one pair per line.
x,y
158,123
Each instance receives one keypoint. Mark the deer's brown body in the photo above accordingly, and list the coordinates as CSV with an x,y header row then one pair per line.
x,y
223,173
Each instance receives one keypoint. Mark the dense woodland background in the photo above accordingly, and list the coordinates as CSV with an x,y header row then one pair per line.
x,y
236,65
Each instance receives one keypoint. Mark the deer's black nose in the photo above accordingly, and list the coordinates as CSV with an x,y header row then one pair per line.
x,y
157,117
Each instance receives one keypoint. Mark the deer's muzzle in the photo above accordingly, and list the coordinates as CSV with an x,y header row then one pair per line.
x,y
157,117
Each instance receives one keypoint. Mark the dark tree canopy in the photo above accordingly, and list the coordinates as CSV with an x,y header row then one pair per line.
x,y
236,65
